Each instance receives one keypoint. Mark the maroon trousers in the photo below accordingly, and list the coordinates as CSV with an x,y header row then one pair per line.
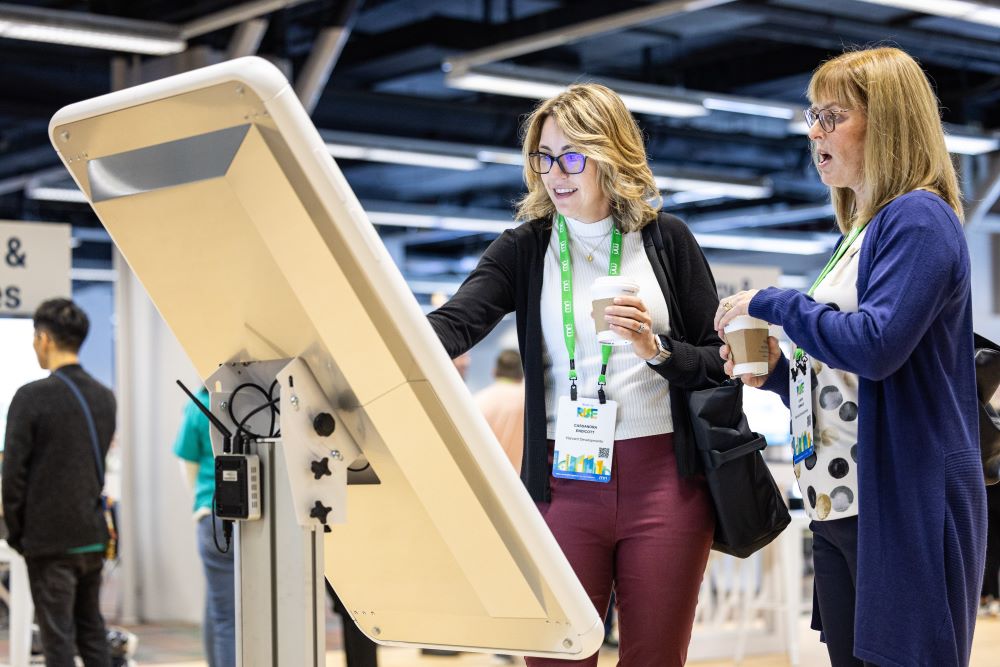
x,y
648,533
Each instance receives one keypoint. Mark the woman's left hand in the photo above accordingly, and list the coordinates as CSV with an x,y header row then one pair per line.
x,y
733,306
630,319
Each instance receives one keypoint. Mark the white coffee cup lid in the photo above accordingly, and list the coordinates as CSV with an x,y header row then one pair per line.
x,y
745,322
607,286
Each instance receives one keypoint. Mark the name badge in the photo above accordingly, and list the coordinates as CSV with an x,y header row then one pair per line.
x,y
800,402
585,439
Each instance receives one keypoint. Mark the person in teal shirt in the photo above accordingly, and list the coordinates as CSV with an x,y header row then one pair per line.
x,y
194,448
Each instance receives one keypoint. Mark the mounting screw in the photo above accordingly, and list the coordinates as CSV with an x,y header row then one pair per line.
x,y
319,512
336,455
294,400
568,643
224,405
376,631
320,468
64,135
324,424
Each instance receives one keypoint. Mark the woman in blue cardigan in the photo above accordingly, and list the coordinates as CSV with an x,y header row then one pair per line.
x,y
891,475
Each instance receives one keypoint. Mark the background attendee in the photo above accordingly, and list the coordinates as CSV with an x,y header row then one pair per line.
x,y
591,208
895,484
502,403
194,447
58,433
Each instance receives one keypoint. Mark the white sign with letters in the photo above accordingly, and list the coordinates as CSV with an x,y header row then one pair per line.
x,y
34,265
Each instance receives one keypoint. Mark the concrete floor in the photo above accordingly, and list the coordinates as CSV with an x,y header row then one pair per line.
x,y
179,646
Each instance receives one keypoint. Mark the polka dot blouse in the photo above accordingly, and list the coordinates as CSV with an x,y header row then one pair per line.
x,y
829,478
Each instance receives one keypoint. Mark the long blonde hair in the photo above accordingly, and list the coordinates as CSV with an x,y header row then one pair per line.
x,y
904,143
597,124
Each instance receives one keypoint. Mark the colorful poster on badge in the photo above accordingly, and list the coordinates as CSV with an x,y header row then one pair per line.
x,y
585,439
800,402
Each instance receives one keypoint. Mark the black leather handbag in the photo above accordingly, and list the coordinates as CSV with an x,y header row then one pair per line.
x,y
750,510
987,381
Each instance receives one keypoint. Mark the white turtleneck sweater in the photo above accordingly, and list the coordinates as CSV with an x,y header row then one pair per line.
x,y
641,393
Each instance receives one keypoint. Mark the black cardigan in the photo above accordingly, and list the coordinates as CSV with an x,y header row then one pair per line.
x,y
51,493
509,278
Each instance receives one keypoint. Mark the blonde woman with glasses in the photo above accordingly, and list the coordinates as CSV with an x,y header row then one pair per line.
x,y
632,512
889,463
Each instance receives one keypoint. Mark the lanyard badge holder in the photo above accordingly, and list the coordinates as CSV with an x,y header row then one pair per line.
x,y
585,428
800,373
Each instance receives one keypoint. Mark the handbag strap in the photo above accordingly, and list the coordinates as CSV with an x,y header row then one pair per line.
x,y
719,458
987,356
90,424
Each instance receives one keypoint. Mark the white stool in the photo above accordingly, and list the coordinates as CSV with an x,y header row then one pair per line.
x,y
22,609
781,589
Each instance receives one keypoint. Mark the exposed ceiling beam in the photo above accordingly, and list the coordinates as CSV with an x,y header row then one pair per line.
x,y
574,33
246,39
835,32
323,58
233,15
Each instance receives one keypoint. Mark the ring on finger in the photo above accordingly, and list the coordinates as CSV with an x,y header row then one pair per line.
x,y
642,327
726,306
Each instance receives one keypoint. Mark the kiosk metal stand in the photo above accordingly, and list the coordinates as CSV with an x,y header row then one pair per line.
x,y
301,489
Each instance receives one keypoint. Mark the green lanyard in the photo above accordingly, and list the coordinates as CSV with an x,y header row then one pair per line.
x,y
842,249
569,321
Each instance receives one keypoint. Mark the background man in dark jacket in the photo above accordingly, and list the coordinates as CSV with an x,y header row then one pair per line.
x,y
52,478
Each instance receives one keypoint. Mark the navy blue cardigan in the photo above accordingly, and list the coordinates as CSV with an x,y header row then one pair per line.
x,y
922,500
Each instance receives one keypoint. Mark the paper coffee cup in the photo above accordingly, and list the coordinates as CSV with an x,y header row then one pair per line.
x,y
602,294
747,340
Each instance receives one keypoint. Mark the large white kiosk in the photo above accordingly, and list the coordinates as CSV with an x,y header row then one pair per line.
x,y
223,199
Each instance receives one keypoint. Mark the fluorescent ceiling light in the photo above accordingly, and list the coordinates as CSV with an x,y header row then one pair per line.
x,y
662,107
967,145
517,86
688,197
798,127
501,157
395,156
93,39
95,31
975,12
503,85
536,83
748,107
776,244
962,144
57,194
714,188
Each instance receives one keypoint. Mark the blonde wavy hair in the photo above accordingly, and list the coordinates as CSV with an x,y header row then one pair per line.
x,y
597,124
904,144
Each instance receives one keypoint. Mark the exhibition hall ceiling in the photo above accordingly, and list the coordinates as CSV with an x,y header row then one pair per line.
x,y
423,101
